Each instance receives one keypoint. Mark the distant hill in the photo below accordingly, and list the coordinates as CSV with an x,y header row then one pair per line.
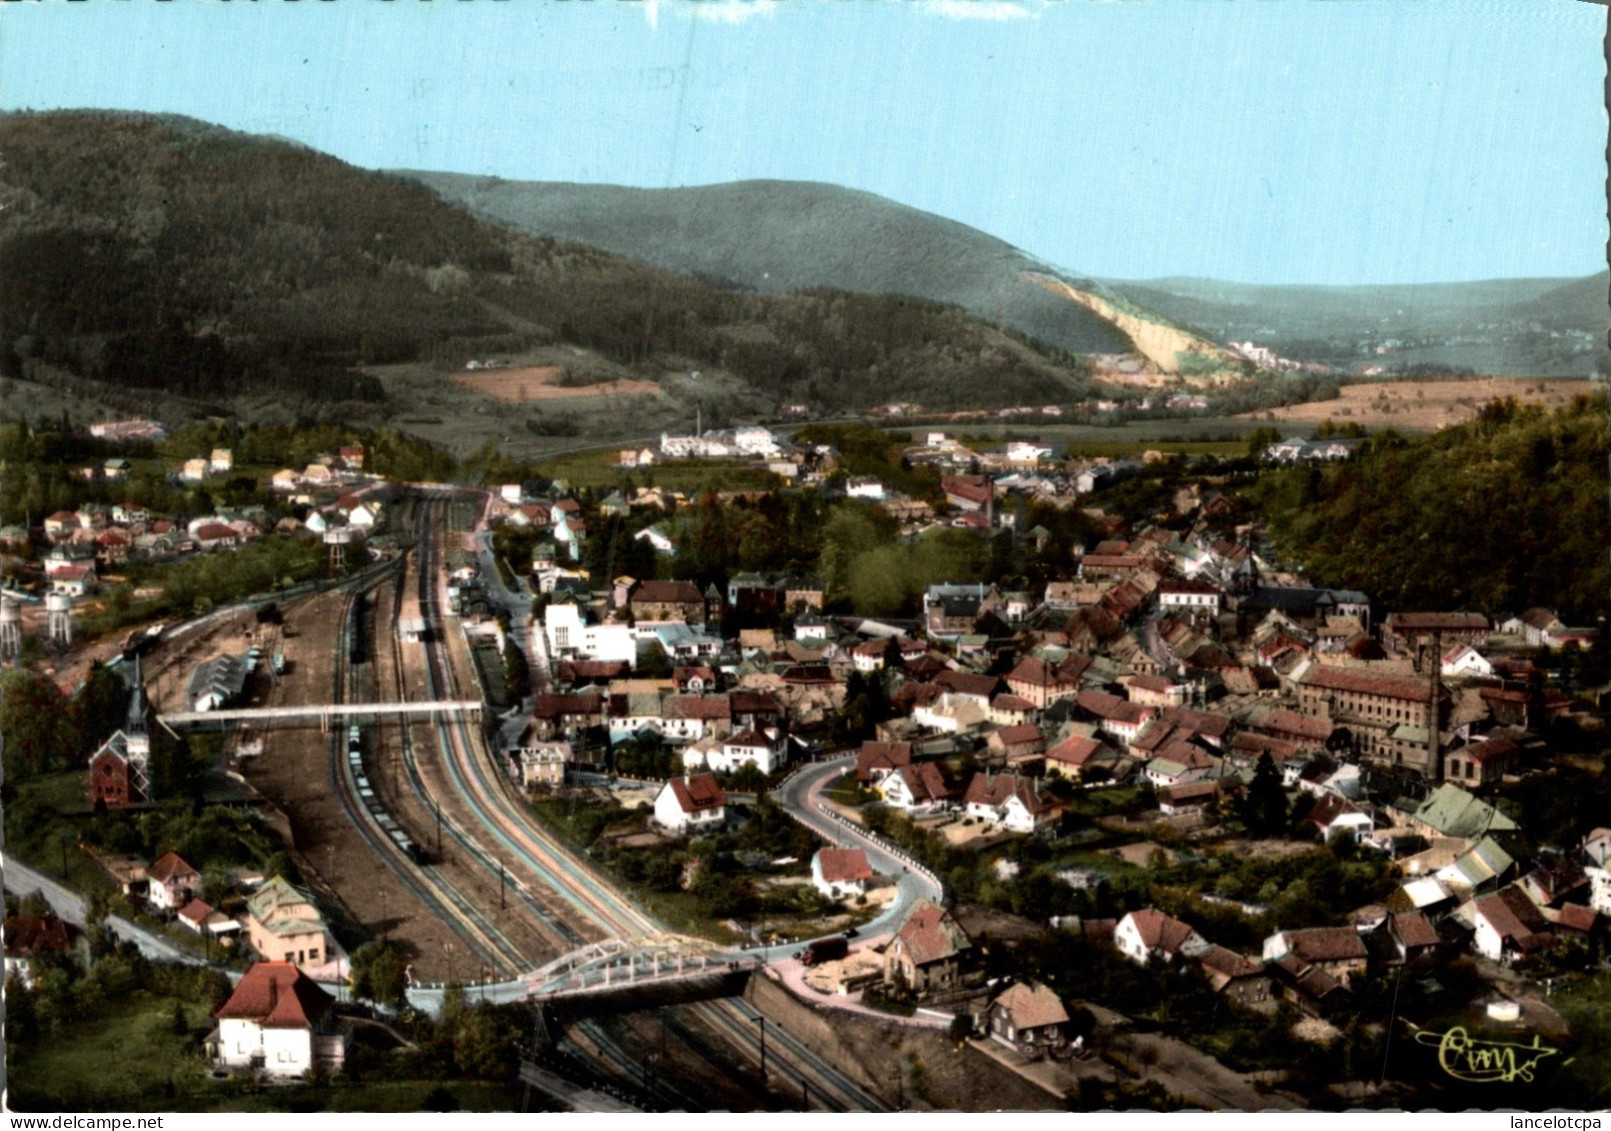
x,y
1532,327
782,236
775,237
140,251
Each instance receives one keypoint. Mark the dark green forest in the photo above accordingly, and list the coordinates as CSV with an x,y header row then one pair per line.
x,y
163,253
1498,515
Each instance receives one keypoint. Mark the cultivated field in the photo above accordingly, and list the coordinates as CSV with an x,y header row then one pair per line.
x,y
542,383
1426,406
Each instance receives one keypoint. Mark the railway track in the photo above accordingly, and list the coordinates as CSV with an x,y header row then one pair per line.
x,y
441,898
589,895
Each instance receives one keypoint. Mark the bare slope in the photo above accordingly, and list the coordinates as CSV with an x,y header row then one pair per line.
x,y
1549,327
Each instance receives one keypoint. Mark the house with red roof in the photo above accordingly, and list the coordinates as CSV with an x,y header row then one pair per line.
x,y
1142,936
690,804
877,760
1509,926
172,882
1117,717
29,936
1012,802
1339,952
279,1022
841,872
1041,683
1076,755
1030,1018
928,951
918,790
1237,976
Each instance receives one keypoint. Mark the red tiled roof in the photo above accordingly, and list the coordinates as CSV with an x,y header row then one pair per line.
x,y
877,756
196,911
1017,735
27,934
71,573
212,531
578,703
1037,673
1576,917
697,793
276,995
1359,683
697,707
930,934
1253,745
667,593
1514,917
1282,721
1414,930
1075,750
925,782
1441,622
169,867
967,683
1229,964
843,865
1032,1006
1326,944
749,738
752,703
998,789
1158,931
1155,683
1105,706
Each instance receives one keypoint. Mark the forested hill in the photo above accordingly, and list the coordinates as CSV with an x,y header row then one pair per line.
x,y
166,253
1499,515
775,237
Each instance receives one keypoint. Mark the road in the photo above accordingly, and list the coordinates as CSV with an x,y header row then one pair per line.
x,y
804,797
69,905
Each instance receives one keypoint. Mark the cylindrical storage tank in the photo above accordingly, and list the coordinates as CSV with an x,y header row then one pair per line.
x,y
1504,1011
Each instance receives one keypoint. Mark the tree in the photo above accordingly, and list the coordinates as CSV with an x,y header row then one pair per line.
x,y
1265,811
379,972
1261,438
38,735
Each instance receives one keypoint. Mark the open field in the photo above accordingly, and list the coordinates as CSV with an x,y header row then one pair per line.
x,y
598,469
1426,406
543,383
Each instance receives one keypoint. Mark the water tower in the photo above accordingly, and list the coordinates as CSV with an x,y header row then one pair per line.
x,y
10,629
59,612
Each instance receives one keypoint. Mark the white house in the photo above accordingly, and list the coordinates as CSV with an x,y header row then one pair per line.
x,y
766,753
693,803
657,537
221,462
1508,926
864,487
1142,936
568,638
809,625
172,882
1597,867
1464,660
841,872
276,1023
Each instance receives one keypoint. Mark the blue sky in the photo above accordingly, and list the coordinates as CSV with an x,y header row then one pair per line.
x,y
1312,141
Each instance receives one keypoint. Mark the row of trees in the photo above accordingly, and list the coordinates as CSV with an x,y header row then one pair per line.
x,y
1498,515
